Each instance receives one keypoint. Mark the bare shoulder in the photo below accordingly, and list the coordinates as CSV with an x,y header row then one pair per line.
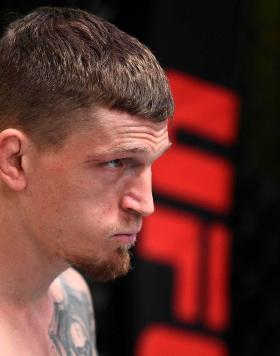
x,y
74,280
73,328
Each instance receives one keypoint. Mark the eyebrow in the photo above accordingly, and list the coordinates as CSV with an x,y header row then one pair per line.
x,y
129,149
136,149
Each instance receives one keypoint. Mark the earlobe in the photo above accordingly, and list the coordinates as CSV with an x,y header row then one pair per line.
x,y
11,171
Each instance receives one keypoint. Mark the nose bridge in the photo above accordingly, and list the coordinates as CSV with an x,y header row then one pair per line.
x,y
144,192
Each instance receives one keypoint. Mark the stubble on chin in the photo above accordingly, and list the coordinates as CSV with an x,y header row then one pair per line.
x,y
103,270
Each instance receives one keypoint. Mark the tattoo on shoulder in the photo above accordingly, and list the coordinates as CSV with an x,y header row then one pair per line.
x,y
72,329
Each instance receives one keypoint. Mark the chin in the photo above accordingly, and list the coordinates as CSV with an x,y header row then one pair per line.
x,y
103,270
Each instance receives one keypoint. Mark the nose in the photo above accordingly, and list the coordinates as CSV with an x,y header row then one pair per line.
x,y
139,197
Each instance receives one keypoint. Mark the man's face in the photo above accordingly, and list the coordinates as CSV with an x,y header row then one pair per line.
x,y
85,203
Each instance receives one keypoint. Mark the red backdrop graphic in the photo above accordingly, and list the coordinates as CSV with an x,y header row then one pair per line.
x,y
197,175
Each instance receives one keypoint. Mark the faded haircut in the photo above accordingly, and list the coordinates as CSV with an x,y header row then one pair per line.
x,y
56,63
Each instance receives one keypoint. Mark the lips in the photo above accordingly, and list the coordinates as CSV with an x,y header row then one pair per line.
x,y
126,239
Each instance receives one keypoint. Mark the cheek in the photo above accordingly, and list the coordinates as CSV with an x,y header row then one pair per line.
x,y
43,203
71,204
86,213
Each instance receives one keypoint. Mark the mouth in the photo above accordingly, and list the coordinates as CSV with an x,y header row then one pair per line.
x,y
125,239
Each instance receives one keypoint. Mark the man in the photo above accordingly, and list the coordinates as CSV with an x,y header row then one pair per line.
x,y
83,116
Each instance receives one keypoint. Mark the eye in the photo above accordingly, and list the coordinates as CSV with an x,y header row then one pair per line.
x,y
115,163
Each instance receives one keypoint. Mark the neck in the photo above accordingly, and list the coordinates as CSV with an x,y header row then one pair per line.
x,y
26,271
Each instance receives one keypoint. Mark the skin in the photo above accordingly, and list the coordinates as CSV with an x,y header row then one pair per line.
x,y
79,206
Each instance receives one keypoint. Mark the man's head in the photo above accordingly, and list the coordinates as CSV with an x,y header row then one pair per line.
x,y
55,63
83,115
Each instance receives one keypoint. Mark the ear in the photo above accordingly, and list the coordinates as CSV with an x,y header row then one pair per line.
x,y
12,146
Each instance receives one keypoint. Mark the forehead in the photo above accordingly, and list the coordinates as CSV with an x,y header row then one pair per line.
x,y
115,129
103,119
